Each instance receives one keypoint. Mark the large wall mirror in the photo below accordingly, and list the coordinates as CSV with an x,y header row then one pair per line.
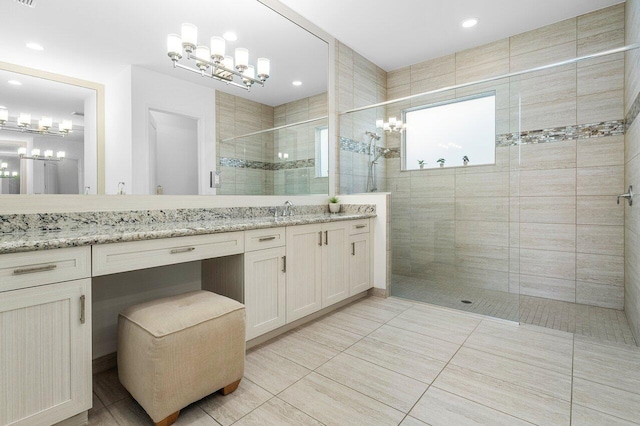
x,y
169,130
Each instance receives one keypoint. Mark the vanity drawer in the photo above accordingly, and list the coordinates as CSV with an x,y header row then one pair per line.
x,y
33,268
130,256
359,227
258,239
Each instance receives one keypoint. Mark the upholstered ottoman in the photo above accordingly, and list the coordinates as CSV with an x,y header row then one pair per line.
x,y
177,350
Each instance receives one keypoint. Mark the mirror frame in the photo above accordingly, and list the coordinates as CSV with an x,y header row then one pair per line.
x,y
99,89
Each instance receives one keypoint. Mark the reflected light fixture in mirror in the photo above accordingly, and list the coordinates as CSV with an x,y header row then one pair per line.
x,y
392,126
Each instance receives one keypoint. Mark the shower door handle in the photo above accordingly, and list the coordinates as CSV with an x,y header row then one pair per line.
x,y
628,195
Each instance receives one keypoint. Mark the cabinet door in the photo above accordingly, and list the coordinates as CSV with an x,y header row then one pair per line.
x,y
45,353
264,290
304,270
359,267
335,263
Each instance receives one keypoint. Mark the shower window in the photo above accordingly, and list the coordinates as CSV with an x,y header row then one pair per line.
x,y
459,132
322,151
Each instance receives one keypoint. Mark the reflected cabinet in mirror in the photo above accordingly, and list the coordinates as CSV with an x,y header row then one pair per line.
x,y
201,97
48,136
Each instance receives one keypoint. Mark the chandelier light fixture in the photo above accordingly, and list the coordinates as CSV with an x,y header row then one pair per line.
x,y
392,126
36,154
212,61
4,173
44,126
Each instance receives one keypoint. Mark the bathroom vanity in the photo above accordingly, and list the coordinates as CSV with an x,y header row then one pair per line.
x,y
283,270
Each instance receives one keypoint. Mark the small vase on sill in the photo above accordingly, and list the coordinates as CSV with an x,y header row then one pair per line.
x,y
334,207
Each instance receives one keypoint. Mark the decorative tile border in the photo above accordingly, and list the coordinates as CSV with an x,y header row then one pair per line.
x,y
263,165
633,112
358,147
13,223
566,133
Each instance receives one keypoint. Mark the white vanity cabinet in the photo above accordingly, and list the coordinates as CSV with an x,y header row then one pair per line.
x,y
265,281
335,263
359,263
45,339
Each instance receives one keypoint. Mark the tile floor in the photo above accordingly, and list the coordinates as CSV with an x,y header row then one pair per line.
x,y
602,323
391,361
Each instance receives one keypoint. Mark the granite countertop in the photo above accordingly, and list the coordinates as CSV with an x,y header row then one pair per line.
x,y
89,235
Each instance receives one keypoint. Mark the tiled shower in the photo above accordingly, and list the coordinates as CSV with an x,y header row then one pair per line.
x,y
538,236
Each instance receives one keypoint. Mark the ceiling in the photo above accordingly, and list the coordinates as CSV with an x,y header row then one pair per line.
x,y
394,34
95,40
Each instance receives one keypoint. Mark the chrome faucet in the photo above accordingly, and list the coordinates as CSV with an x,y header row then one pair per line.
x,y
288,209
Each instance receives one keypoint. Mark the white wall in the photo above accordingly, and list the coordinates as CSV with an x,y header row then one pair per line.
x,y
151,90
118,131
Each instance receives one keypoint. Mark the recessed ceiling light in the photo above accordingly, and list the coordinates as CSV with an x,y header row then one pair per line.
x,y
468,23
34,46
14,82
230,36
297,83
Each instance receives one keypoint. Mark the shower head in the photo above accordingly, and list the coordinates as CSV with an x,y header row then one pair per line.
x,y
373,135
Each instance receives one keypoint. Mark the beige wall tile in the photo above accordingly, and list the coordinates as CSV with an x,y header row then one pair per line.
x,y
548,236
423,185
545,87
546,263
607,151
482,71
491,52
600,107
601,42
433,68
594,210
482,185
600,269
556,155
607,180
601,295
482,233
548,288
597,239
483,257
547,209
542,56
545,183
482,208
431,83
600,21
544,115
602,77
550,35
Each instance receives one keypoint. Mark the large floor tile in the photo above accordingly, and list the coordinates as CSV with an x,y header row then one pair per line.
x,y
128,412
228,409
412,421
610,365
583,416
352,323
397,359
101,417
524,345
438,407
107,387
276,412
334,404
302,351
271,371
440,324
503,396
327,335
394,389
557,385
370,312
612,401
415,342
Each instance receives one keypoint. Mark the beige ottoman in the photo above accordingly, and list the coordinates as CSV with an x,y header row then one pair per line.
x,y
175,351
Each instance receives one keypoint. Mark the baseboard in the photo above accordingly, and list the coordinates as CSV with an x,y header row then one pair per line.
x,y
104,363
379,292
77,420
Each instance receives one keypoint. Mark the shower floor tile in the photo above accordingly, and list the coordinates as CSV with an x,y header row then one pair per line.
x,y
598,323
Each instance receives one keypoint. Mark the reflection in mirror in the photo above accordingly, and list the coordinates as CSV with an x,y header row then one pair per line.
x,y
46,141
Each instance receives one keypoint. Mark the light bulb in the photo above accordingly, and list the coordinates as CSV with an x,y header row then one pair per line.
x,y
379,124
7,173
4,115
264,66
250,72
189,37
228,62
22,151
242,58
65,126
14,174
48,153
24,119
60,154
202,54
174,46
392,121
217,48
45,122
3,165
35,152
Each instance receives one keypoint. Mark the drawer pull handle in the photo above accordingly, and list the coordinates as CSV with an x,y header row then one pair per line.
x,y
82,309
360,226
353,249
45,268
182,250
320,235
326,238
284,264
267,238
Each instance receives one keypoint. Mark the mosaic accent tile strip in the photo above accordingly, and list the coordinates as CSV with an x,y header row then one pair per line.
x,y
358,147
557,134
263,165
14,223
633,112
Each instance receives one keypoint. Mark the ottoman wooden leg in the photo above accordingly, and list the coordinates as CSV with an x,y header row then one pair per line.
x,y
230,388
171,419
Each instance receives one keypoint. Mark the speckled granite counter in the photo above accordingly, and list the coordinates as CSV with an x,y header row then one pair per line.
x,y
84,233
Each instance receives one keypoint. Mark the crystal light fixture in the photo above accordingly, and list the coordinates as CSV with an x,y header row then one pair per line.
x,y
23,124
211,61
392,126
